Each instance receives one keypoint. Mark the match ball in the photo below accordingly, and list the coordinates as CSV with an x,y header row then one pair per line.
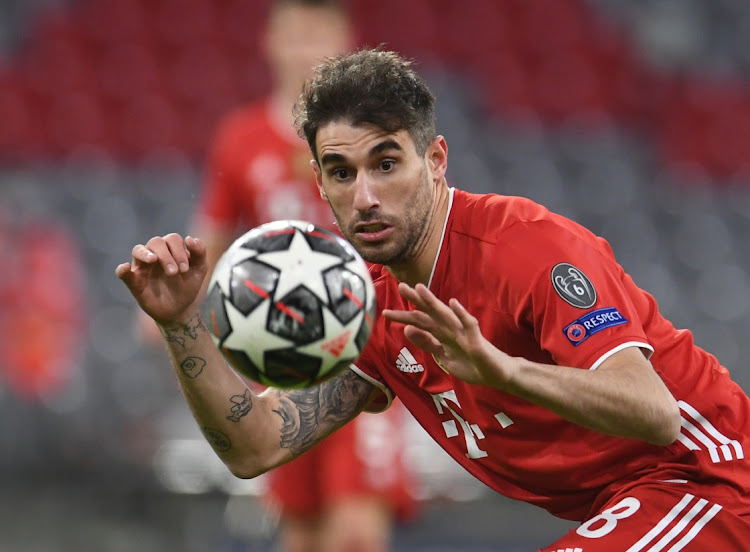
x,y
290,304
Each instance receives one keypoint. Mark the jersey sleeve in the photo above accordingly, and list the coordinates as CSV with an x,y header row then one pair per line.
x,y
370,359
566,284
384,398
366,366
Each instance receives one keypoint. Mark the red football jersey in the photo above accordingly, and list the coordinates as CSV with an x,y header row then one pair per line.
x,y
258,171
544,288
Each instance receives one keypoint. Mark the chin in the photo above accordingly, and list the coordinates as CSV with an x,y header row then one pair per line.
x,y
372,255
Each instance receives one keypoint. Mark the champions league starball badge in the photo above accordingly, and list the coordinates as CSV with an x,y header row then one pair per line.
x,y
573,286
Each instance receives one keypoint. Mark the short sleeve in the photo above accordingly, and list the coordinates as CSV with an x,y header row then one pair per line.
x,y
383,399
566,283
367,367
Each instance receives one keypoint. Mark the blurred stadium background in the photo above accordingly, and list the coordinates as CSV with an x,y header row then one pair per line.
x,y
631,117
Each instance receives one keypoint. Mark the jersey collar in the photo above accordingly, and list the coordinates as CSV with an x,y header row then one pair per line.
x,y
442,237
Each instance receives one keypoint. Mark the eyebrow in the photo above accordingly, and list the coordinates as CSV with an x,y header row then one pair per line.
x,y
385,145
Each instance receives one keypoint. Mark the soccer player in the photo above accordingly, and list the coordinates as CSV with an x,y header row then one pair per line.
x,y
546,372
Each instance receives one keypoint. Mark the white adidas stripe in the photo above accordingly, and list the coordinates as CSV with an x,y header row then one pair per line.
x,y
700,524
683,520
659,527
679,527
718,445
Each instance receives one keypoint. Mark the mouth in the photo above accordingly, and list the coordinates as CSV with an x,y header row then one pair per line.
x,y
372,231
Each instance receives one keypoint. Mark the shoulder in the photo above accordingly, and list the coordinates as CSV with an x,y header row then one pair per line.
x,y
491,217
518,233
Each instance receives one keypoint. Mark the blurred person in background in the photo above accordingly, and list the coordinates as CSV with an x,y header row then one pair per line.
x,y
346,494
43,313
543,369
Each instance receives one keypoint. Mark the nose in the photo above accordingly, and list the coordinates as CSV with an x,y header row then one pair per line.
x,y
365,197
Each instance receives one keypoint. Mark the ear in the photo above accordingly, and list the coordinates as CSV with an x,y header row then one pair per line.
x,y
437,157
318,179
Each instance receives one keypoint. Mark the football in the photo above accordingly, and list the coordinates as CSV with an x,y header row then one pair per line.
x,y
290,304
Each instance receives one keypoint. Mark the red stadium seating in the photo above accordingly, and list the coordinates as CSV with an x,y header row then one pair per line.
x,y
88,70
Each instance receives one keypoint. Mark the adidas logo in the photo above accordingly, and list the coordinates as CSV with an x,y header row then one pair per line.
x,y
337,345
407,363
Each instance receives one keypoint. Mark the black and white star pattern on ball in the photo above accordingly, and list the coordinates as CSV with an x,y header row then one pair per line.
x,y
338,343
222,274
262,341
300,265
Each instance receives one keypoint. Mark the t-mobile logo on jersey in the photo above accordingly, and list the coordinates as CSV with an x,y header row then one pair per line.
x,y
447,402
407,363
472,433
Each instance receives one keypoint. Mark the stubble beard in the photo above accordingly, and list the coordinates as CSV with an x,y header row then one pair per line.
x,y
414,225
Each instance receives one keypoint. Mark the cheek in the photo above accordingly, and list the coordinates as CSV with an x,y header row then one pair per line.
x,y
408,184
340,191
339,199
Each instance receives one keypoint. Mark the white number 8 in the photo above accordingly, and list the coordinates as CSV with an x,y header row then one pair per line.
x,y
627,507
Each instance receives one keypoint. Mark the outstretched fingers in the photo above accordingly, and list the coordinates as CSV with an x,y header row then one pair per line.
x,y
141,255
434,315
420,296
423,339
444,322
196,250
171,252
411,317
467,320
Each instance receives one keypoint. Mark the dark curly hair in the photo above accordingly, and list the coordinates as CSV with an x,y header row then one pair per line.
x,y
371,86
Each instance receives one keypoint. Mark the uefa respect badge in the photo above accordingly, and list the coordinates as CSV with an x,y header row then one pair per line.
x,y
593,322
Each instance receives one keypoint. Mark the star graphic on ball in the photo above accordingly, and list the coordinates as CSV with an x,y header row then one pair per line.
x,y
300,265
338,344
222,273
242,339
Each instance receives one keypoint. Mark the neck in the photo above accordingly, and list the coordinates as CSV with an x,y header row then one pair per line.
x,y
419,269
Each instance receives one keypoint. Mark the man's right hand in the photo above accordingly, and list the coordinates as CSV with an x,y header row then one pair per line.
x,y
165,277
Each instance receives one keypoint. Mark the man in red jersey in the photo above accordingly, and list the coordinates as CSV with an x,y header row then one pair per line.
x,y
258,167
511,334
340,496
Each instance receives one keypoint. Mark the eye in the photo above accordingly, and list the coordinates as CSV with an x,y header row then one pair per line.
x,y
387,165
340,174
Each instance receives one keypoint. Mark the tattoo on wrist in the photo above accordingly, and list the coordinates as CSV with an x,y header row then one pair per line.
x,y
307,415
218,440
179,333
192,366
193,326
241,405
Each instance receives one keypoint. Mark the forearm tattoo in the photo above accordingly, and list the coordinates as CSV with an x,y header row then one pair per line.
x,y
241,405
218,440
180,333
192,366
308,415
